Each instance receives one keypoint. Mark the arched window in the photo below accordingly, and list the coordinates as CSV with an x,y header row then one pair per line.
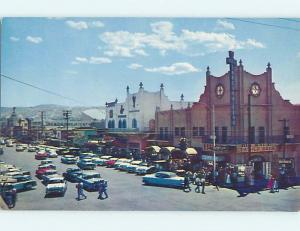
x,y
120,124
109,124
113,124
134,123
124,123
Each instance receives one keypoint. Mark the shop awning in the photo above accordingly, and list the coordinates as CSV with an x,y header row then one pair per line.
x,y
191,151
167,149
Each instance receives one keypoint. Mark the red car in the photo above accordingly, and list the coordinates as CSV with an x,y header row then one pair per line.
x,y
44,168
111,162
41,156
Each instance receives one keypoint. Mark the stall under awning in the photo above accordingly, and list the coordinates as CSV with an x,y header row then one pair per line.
x,y
167,149
154,148
191,151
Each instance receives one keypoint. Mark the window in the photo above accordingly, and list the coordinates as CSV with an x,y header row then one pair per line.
x,y
109,124
124,125
286,133
111,113
120,124
217,134
224,135
161,133
166,133
201,131
195,131
252,135
113,124
134,123
261,135
177,131
182,131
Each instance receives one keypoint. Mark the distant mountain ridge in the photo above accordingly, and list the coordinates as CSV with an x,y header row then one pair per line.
x,y
55,112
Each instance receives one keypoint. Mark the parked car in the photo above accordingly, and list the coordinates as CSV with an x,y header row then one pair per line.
x,y
166,179
87,155
31,149
145,168
42,169
41,155
74,151
20,148
68,159
48,173
52,153
121,161
111,162
24,182
104,160
90,180
47,161
123,166
72,174
130,168
62,151
56,186
86,164
9,143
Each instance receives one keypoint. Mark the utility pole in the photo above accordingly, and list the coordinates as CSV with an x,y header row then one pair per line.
x,y
249,126
285,133
214,140
42,124
67,115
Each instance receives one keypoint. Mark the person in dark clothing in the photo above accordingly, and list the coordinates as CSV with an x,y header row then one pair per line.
x,y
197,182
202,179
187,182
102,189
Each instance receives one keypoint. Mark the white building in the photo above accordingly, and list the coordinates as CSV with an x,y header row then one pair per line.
x,y
137,113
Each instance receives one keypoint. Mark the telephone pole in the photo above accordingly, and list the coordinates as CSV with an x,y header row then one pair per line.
x,y
67,114
42,124
249,126
285,134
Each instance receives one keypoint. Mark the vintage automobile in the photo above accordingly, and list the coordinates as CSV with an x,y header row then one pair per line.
x,y
130,168
104,160
43,168
20,148
86,164
74,151
145,168
9,143
52,153
90,180
111,162
56,186
68,159
48,176
123,166
47,161
72,174
121,161
62,151
166,179
24,182
85,155
31,149
48,173
41,155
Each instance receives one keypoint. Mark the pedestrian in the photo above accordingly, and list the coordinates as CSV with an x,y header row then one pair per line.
x,y
80,193
102,189
14,197
270,183
275,187
202,180
195,177
197,182
216,179
187,182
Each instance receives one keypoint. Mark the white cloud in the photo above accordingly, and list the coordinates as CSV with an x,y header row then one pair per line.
x,y
135,66
35,40
99,60
82,25
164,39
91,60
222,24
174,69
14,39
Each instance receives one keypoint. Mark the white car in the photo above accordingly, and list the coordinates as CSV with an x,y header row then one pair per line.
x,y
52,153
130,168
56,186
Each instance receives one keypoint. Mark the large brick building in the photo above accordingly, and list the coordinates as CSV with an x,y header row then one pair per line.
x,y
271,127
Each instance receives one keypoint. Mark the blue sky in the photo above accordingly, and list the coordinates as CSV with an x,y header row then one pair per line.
x,y
92,60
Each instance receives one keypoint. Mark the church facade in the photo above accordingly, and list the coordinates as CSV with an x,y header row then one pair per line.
x,y
246,115
137,112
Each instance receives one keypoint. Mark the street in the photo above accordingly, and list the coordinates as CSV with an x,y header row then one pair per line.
x,y
126,192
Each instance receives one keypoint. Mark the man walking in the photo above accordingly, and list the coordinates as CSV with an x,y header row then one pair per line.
x,y
187,182
102,189
202,179
79,187
197,182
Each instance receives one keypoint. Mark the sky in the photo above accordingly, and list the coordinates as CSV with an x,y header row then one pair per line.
x,y
92,60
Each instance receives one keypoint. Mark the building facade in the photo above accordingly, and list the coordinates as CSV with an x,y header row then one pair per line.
x,y
137,112
246,115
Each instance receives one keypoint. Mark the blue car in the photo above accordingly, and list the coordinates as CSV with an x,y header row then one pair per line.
x,y
68,159
165,179
72,174
86,164
90,180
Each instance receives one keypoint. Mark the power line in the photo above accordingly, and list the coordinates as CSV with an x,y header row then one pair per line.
x,y
290,19
41,89
265,24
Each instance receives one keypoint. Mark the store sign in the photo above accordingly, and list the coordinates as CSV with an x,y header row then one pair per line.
x,y
285,161
211,158
218,148
256,148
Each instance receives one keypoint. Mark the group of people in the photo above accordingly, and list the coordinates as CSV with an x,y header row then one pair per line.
x,y
102,190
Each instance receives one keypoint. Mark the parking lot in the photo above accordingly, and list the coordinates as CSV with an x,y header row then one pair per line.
x,y
126,192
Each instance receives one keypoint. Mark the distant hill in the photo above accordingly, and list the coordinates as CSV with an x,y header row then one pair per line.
x,y
55,112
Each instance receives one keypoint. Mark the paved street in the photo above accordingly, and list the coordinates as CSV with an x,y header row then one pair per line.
x,y
126,192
